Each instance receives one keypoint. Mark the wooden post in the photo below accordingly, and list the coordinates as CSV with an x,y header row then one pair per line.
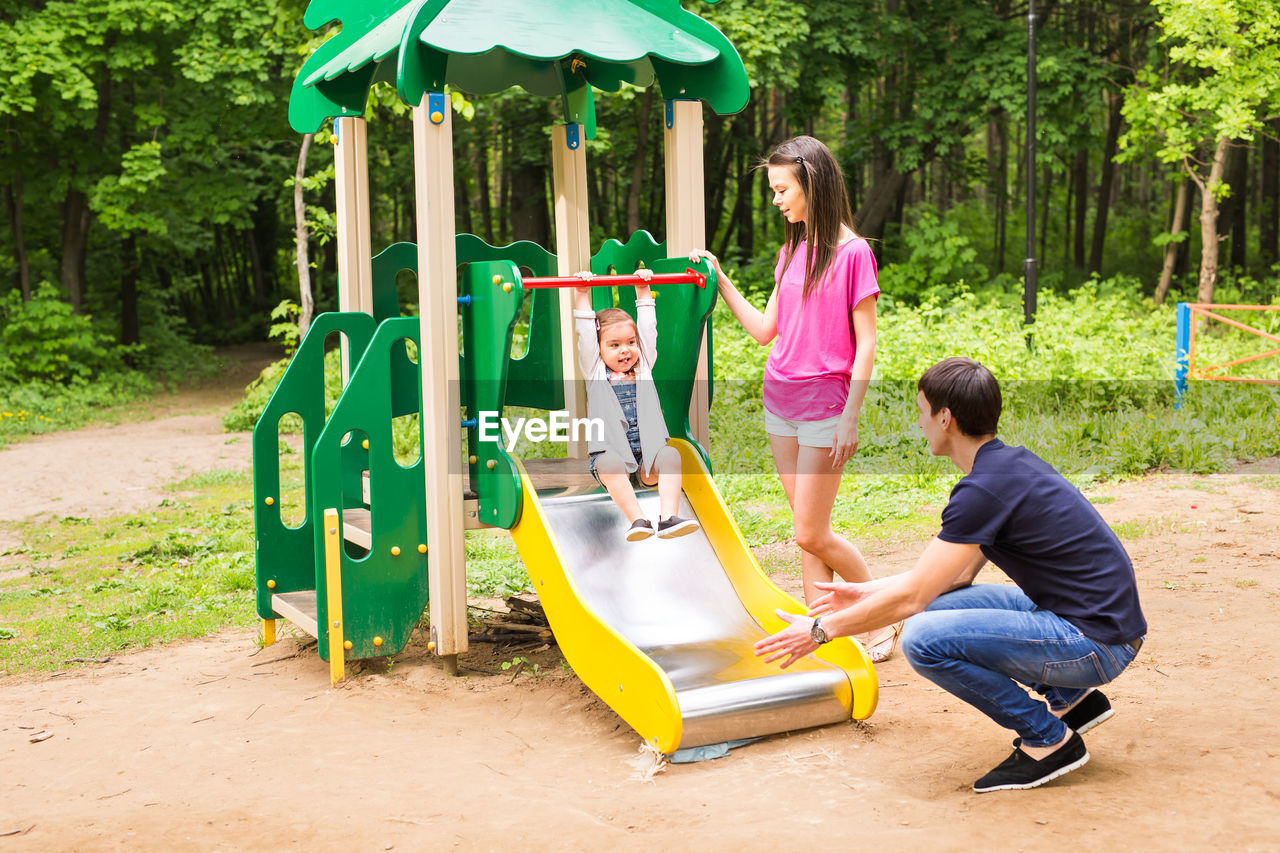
x,y
438,357
686,227
573,253
351,191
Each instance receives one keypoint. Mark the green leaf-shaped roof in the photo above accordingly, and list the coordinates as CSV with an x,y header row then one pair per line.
x,y
547,47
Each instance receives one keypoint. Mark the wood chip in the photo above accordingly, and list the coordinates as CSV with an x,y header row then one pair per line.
x,y
40,736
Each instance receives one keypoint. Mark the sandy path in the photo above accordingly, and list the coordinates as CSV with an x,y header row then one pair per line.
x,y
216,745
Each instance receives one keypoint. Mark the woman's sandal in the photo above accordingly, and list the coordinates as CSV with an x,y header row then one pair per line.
x,y
881,650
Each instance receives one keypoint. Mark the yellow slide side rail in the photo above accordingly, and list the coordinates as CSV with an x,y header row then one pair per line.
x,y
758,594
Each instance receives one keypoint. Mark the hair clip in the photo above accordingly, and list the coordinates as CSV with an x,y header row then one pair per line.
x,y
799,160
597,324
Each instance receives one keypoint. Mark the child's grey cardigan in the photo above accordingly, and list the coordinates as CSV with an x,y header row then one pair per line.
x,y
602,403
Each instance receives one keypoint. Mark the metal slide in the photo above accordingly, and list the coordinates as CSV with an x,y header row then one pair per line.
x,y
662,630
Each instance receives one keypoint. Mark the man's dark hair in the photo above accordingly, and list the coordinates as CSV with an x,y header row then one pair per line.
x,y
966,388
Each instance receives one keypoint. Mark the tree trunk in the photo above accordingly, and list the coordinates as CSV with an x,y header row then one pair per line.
x,y
484,190
1080,172
129,331
870,218
463,207
643,119
75,208
1238,178
13,200
998,184
1209,222
75,239
1269,209
529,204
305,302
1171,249
255,269
1115,100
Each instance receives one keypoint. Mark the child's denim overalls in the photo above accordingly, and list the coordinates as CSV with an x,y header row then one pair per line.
x,y
626,393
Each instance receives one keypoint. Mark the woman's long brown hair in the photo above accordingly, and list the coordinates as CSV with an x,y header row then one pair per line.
x,y
827,203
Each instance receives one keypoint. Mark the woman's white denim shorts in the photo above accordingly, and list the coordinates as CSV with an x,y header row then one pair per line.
x,y
807,433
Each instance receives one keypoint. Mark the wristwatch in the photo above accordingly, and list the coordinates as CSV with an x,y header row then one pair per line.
x,y
817,634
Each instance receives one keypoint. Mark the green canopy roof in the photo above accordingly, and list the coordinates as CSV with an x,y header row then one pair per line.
x,y
547,47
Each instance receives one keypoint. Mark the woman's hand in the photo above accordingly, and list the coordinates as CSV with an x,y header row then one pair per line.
x,y
703,255
845,444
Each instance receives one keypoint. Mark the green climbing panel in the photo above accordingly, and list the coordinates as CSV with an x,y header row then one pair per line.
x,y
286,556
384,589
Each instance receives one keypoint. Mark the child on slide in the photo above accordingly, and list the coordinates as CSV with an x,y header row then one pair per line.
x,y
617,354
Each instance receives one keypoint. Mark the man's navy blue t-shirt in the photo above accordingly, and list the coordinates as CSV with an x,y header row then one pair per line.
x,y
1046,536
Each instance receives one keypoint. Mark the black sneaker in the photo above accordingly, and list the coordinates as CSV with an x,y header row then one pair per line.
x,y
1094,709
1020,771
670,528
640,529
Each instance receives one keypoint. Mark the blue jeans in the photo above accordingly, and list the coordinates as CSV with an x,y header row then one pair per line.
x,y
982,642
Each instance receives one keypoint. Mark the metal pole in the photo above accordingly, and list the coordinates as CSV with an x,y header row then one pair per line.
x,y
1029,271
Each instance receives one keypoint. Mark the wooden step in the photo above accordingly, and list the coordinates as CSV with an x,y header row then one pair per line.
x,y
299,608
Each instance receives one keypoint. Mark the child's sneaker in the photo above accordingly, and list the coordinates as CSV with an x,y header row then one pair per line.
x,y
640,529
670,528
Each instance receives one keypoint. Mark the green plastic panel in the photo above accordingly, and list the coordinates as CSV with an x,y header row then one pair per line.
x,y
286,555
536,379
487,324
554,48
383,593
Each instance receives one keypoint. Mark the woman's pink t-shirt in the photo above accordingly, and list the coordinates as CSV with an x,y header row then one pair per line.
x,y
807,375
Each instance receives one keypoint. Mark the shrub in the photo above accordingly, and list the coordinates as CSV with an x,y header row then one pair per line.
x,y
43,340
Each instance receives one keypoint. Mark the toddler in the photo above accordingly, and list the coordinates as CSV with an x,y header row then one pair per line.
x,y
617,354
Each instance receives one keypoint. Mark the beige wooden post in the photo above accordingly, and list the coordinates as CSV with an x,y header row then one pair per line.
x,y
351,191
686,227
573,254
438,357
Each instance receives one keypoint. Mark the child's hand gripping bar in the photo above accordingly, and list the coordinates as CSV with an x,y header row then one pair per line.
x,y
689,276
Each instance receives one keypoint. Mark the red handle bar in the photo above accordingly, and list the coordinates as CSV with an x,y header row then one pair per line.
x,y
689,276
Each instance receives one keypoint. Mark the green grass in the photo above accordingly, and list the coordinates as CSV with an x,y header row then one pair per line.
x,y
93,588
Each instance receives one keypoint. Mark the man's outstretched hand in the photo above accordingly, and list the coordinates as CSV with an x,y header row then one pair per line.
x,y
792,642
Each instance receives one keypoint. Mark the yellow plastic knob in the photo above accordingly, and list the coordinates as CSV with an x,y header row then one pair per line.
x,y
271,584
437,117
422,549
497,279
395,550
270,501
365,444
377,641
346,644
489,464
431,645
472,460
506,287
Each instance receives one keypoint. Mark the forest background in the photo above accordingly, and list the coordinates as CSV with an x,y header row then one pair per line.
x,y
149,176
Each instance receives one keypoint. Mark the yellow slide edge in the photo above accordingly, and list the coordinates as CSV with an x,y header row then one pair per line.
x,y
758,594
616,670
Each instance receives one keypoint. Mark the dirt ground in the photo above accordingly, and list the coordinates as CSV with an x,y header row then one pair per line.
x,y
220,745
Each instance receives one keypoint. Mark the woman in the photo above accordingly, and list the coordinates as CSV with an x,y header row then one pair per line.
x,y
823,314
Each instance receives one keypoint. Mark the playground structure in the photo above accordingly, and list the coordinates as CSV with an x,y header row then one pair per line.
x,y
1188,312
663,630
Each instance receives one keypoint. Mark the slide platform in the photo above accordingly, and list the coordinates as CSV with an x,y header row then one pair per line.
x,y
662,630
